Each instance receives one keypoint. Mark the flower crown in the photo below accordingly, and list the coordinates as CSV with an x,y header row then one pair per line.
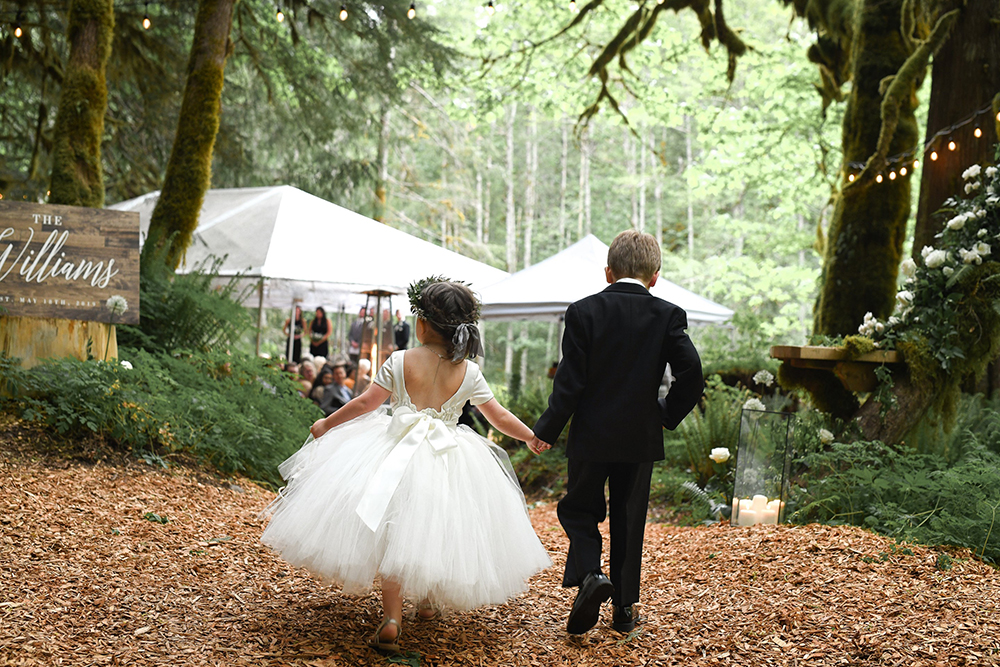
x,y
415,292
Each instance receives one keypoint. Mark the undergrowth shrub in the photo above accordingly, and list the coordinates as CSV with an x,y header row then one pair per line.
x,y
233,412
906,494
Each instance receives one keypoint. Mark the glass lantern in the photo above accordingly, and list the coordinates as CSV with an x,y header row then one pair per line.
x,y
763,460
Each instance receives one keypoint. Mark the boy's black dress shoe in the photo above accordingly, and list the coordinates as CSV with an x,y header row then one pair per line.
x,y
595,590
624,619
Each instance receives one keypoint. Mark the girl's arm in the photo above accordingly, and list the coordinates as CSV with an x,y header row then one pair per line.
x,y
504,421
373,397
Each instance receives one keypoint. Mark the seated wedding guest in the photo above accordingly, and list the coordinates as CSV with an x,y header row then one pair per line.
x,y
324,379
335,395
364,376
307,372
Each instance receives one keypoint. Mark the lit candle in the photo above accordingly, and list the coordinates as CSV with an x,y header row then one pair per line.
x,y
759,503
747,517
769,515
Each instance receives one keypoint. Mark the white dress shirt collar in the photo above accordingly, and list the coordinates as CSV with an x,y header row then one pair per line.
x,y
631,280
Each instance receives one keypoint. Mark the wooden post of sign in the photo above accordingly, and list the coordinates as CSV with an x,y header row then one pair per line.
x,y
32,339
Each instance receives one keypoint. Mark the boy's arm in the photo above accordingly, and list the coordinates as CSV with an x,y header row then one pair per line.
x,y
689,383
570,380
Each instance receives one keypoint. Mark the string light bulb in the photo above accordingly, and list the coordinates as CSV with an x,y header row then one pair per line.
x,y
952,145
17,25
411,12
892,175
850,178
978,133
490,9
916,164
902,171
343,13
572,6
878,179
146,23
279,15
998,116
934,155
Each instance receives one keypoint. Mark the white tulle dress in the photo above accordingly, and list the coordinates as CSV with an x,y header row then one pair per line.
x,y
412,497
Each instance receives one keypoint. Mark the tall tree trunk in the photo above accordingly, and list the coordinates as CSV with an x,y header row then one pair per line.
x,y
77,174
531,158
690,199
511,231
488,206
381,184
964,79
564,168
865,241
479,192
189,170
642,184
583,221
630,172
657,172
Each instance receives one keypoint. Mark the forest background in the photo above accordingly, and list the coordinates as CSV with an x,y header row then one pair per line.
x,y
464,129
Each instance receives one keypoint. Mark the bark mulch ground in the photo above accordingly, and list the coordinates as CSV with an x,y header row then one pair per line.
x,y
120,563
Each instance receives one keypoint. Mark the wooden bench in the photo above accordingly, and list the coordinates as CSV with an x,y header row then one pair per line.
x,y
856,374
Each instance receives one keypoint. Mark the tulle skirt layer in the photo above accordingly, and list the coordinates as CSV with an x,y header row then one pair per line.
x,y
455,530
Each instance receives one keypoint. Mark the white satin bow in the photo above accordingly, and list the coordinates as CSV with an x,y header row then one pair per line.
x,y
413,429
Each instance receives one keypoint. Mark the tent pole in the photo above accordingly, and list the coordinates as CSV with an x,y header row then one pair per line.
x,y
559,336
260,313
290,347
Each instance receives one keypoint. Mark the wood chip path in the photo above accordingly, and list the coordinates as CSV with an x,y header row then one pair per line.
x,y
87,578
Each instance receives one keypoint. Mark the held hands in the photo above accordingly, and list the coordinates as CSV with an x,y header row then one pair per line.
x,y
537,446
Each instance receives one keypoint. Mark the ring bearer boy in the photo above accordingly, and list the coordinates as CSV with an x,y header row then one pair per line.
x,y
616,346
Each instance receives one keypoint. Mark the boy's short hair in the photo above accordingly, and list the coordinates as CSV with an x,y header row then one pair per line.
x,y
634,254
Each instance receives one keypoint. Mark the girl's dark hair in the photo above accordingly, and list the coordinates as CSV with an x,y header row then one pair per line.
x,y
450,309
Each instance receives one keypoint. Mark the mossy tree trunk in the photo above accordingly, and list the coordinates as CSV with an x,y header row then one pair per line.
x,y
77,175
865,240
189,170
965,78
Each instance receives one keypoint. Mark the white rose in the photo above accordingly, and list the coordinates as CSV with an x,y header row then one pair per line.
x,y
935,258
126,365
983,249
947,271
970,187
992,200
825,437
719,454
970,256
981,233
926,251
879,327
908,267
893,321
991,171
956,223
904,298
754,404
971,172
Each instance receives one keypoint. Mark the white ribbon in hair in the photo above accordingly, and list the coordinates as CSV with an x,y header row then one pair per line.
x,y
413,429
463,332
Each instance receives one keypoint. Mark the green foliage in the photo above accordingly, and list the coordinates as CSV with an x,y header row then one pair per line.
x,y
544,474
232,412
184,311
907,495
717,424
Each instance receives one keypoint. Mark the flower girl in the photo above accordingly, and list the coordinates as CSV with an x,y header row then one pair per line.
x,y
429,507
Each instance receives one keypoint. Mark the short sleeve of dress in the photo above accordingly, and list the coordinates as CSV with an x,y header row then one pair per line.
x,y
481,392
384,376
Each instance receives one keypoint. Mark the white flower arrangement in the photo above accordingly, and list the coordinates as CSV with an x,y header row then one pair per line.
x,y
825,437
971,187
719,454
972,172
754,404
970,256
870,325
935,259
763,377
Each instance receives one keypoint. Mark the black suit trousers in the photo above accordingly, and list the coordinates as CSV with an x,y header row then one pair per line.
x,y
584,507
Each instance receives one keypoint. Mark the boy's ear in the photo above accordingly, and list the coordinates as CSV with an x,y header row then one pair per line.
x,y
652,280
609,275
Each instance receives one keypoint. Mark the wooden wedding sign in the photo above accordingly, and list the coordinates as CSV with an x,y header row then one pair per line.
x,y
59,265
66,261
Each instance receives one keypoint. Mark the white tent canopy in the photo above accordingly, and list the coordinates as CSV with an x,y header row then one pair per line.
x,y
301,247
545,290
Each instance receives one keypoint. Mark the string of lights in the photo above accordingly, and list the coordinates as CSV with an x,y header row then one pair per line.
x,y
909,161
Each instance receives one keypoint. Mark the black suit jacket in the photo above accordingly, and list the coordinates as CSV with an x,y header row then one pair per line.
x,y
615,348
